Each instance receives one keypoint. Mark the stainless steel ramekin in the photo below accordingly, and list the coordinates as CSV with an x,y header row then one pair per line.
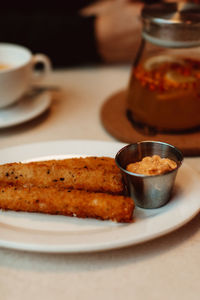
x,y
148,191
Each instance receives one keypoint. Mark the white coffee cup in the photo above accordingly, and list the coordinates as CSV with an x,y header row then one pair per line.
x,y
17,71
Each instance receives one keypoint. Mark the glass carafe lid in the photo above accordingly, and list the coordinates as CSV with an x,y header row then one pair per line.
x,y
172,24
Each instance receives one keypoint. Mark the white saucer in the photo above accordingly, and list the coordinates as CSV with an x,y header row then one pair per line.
x,y
27,108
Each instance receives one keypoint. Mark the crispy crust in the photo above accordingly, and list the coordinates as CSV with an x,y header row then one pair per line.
x,y
67,202
88,187
94,174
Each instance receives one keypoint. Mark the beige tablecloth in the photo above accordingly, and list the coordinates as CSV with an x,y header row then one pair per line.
x,y
165,268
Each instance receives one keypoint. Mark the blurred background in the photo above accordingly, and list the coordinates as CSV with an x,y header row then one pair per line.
x,y
74,32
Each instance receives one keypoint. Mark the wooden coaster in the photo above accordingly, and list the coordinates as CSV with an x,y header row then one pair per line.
x,y
115,121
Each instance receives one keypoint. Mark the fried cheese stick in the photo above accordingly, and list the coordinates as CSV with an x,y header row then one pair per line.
x,y
94,174
67,202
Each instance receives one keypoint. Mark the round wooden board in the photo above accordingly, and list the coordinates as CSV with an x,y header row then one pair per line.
x,y
115,121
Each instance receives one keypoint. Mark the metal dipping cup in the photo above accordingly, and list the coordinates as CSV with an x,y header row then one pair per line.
x,y
148,191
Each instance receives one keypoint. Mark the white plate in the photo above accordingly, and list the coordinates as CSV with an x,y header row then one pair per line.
x,y
47,233
27,108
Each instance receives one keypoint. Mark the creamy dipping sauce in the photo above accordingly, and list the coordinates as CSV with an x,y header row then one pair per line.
x,y
152,165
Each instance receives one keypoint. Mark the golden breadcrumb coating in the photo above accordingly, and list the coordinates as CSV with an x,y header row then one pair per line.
x,y
95,174
90,187
67,202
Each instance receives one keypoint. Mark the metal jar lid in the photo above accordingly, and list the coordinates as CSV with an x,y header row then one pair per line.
x,y
174,25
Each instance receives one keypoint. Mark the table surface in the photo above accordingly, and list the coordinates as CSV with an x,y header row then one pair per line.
x,y
165,268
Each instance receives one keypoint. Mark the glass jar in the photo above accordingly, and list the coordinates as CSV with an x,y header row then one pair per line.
x,y
164,89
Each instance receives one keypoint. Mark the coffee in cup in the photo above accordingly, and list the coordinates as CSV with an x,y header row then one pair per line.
x,y
17,71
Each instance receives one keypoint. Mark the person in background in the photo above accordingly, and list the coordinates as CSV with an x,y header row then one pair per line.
x,y
74,32
117,29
